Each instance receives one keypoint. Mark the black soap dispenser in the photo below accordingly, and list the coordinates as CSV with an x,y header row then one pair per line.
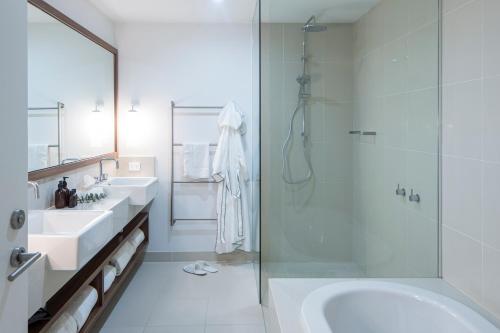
x,y
60,196
73,199
66,190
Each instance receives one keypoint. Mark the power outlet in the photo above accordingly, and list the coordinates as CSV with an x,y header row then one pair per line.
x,y
134,166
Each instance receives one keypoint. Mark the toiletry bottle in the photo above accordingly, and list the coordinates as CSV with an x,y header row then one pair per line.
x,y
60,197
66,190
73,199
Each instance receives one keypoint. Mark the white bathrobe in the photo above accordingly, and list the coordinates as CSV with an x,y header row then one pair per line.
x,y
231,173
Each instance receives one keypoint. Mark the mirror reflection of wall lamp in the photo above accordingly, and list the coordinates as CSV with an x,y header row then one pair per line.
x,y
97,105
133,109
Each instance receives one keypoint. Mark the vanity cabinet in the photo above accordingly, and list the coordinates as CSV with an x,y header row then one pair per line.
x,y
93,274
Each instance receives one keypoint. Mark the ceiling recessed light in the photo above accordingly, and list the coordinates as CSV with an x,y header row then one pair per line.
x,y
218,1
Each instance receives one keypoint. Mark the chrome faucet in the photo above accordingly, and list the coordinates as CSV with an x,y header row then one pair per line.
x,y
103,176
70,159
36,189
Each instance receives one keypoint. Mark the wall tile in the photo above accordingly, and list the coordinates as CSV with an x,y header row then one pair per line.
x,y
491,45
422,172
396,121
421,13
491,290
423,46
491,217
423,121
462,119
462,259
462,207
462,43
395,19
449,5
292,41
395,58
491,148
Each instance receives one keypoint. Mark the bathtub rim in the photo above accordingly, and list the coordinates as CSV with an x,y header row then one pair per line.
x,y
312,306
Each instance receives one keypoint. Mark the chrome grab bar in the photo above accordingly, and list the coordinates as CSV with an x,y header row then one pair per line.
x,y
22,260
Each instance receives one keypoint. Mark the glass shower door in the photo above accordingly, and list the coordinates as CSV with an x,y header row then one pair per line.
x,y
349,139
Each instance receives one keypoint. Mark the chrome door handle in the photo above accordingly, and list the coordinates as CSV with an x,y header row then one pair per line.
x,y
22,260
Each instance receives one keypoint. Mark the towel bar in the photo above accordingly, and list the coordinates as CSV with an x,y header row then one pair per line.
x,y
174,144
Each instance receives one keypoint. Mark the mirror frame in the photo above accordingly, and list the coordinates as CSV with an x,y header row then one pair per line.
x,y
58,15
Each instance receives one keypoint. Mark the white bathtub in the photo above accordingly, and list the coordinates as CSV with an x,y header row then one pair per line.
x,y
387,307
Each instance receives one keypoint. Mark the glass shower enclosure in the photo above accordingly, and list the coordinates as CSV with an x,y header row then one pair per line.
x,y
349,139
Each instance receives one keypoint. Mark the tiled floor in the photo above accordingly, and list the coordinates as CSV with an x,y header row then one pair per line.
x,y
163,299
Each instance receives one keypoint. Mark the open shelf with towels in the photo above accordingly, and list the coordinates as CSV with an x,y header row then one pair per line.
x,y
92,274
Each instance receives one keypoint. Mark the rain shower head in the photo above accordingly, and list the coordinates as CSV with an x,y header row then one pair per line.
x,y
312,26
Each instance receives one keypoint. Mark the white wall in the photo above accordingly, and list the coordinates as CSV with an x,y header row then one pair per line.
x,y
202,64
471,149
87,15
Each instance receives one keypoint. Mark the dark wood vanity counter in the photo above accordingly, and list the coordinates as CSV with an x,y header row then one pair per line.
x,y
92,274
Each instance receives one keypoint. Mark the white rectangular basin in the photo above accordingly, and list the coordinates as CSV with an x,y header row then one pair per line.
x,y
117,203
70,238
141,190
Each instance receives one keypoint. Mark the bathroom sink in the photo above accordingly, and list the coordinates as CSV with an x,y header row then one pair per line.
x,y
117,203
141,190
70,238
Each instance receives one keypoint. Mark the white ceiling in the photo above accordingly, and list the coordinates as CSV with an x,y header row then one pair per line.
x,y
185,11
327,11
216,11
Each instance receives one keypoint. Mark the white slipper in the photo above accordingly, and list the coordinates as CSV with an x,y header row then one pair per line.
x,y
207,267
195,269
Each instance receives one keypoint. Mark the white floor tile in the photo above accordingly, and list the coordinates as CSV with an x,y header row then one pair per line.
x,y
175,329
234,311
163,298
170,311
128,329
235,329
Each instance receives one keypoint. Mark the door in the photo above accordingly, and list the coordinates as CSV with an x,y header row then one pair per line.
x,y
13,160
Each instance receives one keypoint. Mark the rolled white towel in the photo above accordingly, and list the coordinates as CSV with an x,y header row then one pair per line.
x,y
64,324
109,273
137,238
82,305
122,257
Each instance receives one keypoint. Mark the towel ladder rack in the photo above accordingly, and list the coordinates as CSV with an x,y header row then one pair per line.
x,y
173,182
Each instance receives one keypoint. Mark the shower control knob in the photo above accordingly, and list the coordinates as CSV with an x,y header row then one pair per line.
x,y
401,191
414,197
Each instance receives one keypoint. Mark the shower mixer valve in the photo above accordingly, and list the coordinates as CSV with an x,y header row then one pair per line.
x,y
414,197
401,191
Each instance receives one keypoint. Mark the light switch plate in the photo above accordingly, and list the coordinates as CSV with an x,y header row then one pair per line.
x,y
134,166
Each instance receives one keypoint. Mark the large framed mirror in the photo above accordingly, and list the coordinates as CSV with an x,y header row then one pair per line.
x,y
72,94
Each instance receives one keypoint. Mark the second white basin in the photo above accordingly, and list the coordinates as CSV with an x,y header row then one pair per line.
x,y
69,238
141,190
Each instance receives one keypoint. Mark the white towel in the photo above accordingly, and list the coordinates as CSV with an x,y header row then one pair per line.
x,y
137,238
109,273
196,160
82,305
122,257
64,324
38,155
